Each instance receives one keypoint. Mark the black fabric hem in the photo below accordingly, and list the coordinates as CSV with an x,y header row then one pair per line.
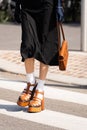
x,y
51,63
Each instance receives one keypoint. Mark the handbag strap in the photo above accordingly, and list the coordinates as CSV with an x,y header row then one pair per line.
x,y
63,35
59,36
60,31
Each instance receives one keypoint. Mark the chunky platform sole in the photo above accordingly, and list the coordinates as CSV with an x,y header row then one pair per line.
x,y
34,109
22,104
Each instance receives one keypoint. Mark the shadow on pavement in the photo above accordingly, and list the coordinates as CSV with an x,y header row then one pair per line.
x,y
12,108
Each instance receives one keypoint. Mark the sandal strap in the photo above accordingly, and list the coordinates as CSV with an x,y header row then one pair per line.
x,y
26,90
37,98
38,95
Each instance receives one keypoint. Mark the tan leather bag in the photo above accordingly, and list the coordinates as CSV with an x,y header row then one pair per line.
x,y
62,48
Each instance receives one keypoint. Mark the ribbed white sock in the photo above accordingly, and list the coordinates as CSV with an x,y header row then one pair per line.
x,y
30,79
40,85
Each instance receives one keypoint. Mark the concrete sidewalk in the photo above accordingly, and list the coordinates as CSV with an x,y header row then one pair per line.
x,y
76,72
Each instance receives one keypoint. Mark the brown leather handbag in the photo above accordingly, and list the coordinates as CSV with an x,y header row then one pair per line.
x,y
62,48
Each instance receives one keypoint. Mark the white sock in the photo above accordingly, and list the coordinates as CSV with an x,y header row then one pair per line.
x,y
30,79
40,85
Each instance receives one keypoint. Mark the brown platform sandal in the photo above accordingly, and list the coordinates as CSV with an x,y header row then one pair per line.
x,y
37,103
26,95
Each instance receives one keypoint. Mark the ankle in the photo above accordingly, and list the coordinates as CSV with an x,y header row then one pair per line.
x,y
30,78
40,85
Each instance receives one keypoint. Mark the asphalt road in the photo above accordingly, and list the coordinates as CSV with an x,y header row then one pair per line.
x,y
10,36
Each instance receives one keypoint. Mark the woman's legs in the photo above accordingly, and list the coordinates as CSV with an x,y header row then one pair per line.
x,y
29,67
37,103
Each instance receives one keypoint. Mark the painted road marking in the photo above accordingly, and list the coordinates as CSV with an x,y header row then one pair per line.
x,y
52,93
46,117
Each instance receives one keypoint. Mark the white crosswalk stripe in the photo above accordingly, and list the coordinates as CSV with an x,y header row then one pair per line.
x,y
51,93
47,117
